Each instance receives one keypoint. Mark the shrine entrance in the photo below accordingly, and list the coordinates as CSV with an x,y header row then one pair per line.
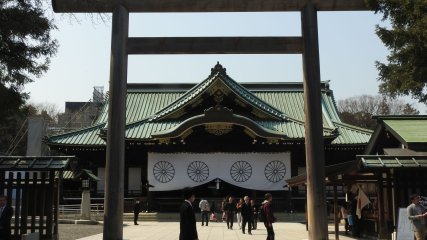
x,y
122,46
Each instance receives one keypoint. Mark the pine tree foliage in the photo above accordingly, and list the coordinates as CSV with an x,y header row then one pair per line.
x,y
25,42
405,73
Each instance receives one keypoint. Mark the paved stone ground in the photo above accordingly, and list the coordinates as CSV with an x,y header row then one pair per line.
x,y
215,231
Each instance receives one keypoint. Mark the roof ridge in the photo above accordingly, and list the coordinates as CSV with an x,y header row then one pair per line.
x,y
163,112
280,113
400,117
353,127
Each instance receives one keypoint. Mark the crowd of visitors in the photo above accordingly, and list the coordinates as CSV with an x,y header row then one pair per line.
x,y
243,210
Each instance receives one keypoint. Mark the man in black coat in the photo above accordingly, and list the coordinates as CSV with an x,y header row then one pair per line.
x,y
187,224
136,210
6,213
246,215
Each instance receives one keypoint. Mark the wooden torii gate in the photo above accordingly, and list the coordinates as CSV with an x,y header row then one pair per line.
x,y
122,46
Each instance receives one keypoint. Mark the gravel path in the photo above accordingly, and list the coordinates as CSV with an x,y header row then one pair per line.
x,y
76,231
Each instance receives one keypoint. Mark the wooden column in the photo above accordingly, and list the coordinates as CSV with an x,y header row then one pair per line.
x,y
390,202
336,212
395,198
56,209
315,159
114,171
382,230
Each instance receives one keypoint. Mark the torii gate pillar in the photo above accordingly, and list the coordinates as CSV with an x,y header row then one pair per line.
x,y
114,169
314,149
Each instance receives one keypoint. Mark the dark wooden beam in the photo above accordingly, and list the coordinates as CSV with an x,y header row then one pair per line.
x,y
215,45
205,5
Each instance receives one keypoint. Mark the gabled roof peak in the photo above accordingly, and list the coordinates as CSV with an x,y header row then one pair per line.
x,y
218,69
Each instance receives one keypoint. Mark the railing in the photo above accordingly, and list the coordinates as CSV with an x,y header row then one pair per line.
x,y
73,211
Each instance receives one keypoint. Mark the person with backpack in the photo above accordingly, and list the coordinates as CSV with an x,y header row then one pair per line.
x,y
205,209
266,213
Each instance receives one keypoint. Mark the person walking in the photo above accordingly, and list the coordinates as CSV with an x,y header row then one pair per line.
x,y
268,217
187,223
254,216
230,209
239,212
136,210
417,214
205,209
213,212
223,203
246,215
6,213
344,215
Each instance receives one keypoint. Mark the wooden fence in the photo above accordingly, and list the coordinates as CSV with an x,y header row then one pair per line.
x,y
34,197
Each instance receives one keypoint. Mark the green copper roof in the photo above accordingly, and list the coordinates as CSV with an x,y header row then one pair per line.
x,y
150,109
84,137
143,104
351,134
410,130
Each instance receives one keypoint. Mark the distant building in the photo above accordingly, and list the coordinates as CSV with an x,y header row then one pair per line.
x,y
79,114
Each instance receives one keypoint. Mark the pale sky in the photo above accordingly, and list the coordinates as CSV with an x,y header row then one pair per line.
x,y
348,44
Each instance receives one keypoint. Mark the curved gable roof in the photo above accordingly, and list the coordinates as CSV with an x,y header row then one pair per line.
x,y
218,80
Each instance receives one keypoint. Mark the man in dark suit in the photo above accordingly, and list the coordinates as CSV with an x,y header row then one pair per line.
x,y
187,224
6,213
246,215
136,210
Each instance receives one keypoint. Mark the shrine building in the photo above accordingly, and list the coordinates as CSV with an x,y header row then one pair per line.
x,y
220,136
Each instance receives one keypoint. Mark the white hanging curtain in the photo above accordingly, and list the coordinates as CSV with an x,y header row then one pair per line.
x,y
258,171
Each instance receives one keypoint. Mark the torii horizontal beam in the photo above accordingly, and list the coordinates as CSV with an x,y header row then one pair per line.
x,y
163,6
214,45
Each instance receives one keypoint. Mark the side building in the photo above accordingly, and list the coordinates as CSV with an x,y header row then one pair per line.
x,y
219,136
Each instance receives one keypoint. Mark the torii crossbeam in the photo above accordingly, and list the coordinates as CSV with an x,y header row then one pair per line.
x,y
122,46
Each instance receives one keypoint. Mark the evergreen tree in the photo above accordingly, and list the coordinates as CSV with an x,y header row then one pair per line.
x,y
405,73
26,47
